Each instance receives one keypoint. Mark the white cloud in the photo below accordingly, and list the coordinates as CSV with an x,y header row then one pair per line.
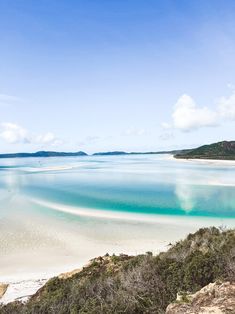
x,y
48,139
13,133
188,116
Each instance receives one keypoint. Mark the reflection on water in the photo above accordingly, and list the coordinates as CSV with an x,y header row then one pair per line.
x,y
63,211
185,196
141,184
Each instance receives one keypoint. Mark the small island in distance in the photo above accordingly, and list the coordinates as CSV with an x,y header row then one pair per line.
x,y
224,150
81,153
43,154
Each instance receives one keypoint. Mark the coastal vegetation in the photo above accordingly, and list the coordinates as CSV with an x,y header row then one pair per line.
x,y
222,150
138,284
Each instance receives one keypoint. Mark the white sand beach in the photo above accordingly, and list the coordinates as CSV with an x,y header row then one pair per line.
x,y
41,249
215,162
41,237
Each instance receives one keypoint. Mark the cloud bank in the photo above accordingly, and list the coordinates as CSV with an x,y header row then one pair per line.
x,y
12,133
188,116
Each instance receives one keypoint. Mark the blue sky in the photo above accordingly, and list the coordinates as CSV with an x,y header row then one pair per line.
x,y
128,75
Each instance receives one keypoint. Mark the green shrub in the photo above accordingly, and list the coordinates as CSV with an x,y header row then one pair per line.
x,y
139,284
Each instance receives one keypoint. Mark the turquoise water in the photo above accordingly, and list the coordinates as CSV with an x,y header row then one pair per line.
x,y
147,184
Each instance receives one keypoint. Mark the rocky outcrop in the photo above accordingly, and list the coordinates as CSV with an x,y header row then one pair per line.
x,y
217,298
3,289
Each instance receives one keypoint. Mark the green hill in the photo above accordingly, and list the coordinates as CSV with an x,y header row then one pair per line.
x,y
222,150
137,284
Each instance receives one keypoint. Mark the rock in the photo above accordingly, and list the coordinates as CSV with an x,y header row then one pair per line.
x,y
3,289
217,298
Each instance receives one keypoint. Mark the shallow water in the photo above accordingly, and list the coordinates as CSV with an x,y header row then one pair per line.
x,y
148,184
64,210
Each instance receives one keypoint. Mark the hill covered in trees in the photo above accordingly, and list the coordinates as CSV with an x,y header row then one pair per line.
x,y
222,150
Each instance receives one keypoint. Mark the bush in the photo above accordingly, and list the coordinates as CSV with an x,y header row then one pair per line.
x,y
140,284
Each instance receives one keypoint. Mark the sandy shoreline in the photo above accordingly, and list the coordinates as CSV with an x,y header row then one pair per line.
x,y
106,214
61,248
138,217
37,245
24,284
204,161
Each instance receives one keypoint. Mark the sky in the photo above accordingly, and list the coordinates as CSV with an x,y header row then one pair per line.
x,y
105,75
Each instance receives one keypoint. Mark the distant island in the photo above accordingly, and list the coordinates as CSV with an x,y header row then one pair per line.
x,y
43,154
224,150
81,153
116,153
110,153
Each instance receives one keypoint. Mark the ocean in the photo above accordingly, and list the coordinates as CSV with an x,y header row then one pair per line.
x,y
56,213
